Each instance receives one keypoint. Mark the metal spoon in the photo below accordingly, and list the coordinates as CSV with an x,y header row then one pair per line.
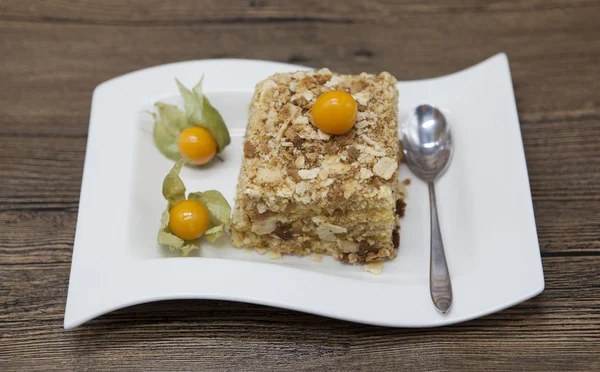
x,y
428,148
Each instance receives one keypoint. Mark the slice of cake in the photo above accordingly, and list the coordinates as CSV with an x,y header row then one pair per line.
x,y
303,191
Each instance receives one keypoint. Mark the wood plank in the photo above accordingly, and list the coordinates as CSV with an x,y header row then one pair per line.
x,y
145,12
558,330
553,79
40,173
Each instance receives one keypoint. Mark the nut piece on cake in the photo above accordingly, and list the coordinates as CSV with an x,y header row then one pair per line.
x,y
303,191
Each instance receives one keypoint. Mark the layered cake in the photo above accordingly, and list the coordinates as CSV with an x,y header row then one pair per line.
x,y
302,190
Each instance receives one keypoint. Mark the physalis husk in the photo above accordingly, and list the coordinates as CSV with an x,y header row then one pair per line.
x,y
219,212
170,121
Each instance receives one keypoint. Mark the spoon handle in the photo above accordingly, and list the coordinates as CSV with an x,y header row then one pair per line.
x,y
439,276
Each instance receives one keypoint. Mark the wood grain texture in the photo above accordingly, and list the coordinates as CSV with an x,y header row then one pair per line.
x,y
52,55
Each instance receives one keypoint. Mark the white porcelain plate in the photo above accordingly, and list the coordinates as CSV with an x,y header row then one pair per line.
x,y
484,203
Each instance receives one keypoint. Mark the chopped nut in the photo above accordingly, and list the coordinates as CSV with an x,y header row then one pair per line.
x,y
282,78
336,195
282,129
266,175
266,226
395,238
297,142
365,158
369,117
300,188
323,78
364,248
327,231
348,246
400,207
299,161
307,132
306,83
264,148
268,86
334,81
290,133
261,207
283,231
362,98
323,174
402,190
307,174
350,187
401,152
285,192
251,192
297,227
370,150
368,140
308,95
328,182
326,71
374,268
365,174
334,165
299,100
274,255
386,76
323,136
300,120
385,168
353,153
249,150
272,119
288,112
357,86
293,173
312,156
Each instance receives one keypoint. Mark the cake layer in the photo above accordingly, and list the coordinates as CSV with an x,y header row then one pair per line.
x,y
288,161
357,231
363,237
343,250
254,210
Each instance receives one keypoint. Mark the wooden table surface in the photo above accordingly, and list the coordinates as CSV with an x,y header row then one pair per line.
x,y
52,55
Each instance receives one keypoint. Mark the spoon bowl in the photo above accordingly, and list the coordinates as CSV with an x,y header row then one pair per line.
x,y
427,144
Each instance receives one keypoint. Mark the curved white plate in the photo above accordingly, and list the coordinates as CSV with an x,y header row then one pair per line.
x,y
484,203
